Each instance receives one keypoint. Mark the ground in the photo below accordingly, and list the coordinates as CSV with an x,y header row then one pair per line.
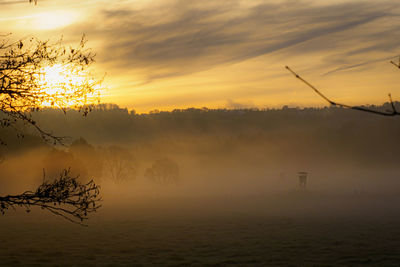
x,y
291,229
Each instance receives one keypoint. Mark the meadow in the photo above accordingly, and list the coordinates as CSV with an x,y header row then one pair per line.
x,y
283,230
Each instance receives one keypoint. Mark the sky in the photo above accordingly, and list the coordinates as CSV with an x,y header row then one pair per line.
x,y
167,54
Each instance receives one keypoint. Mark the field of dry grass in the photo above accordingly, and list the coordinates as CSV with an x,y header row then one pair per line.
x,y
283,230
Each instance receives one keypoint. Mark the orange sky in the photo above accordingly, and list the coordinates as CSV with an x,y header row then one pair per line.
x,y
166,54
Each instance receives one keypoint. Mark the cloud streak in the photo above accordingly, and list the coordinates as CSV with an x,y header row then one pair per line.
x,y
174,53
180,37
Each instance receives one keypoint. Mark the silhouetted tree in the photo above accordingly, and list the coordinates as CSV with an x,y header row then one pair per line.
x,y
24,90
163,171
119,164
55,161
23,87
86,158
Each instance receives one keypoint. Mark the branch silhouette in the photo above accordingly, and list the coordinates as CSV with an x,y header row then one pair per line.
x,y
396,64
392,112
65,197
24,89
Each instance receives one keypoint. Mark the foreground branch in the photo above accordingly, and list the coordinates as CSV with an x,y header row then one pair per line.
x,y
392,112
65,197
26,86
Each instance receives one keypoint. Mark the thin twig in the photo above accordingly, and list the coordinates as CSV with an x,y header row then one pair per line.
x,y
393,112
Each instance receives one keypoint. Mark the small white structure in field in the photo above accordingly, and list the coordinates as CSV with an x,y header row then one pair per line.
x,y
302,179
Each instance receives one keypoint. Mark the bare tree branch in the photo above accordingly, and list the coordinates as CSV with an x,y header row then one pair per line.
x,y
26,87
396,64
392,112
65,197
25,90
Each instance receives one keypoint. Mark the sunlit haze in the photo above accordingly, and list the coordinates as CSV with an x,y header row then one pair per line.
x,y
175,54
62,83
53,20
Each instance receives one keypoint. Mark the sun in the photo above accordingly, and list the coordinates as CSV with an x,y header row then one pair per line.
x,y
52,78
64,86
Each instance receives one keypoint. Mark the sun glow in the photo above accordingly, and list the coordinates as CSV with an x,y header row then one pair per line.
x,y
64,86
53,20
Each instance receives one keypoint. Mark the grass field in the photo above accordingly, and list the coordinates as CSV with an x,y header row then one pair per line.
x,y
282,230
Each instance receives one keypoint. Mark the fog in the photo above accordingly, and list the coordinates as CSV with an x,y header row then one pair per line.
x,y
223,154
210,187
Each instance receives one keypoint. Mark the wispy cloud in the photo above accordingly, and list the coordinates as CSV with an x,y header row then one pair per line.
x,y
11,2
174,53
183,37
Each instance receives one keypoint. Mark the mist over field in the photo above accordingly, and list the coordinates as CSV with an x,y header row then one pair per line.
x,y
206,187
240,151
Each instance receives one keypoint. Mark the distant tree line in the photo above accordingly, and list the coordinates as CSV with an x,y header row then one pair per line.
x,y
284,133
